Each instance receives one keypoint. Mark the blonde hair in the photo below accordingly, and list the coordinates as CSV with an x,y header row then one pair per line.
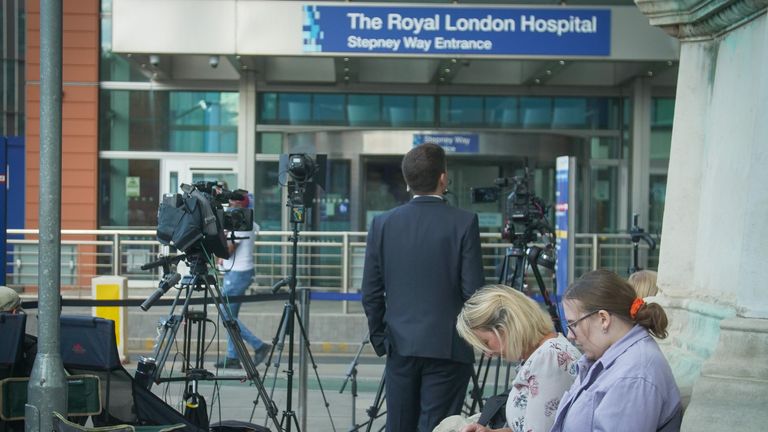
x,y
644,283
504,311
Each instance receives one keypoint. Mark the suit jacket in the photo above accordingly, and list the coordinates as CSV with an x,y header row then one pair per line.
x,y
422,262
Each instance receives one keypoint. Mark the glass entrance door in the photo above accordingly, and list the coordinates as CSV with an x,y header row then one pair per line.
x,y
174,173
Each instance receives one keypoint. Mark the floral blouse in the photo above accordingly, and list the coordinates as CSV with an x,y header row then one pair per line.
x,y
539,385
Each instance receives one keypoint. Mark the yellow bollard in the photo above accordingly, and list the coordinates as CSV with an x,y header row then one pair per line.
x,y
112,288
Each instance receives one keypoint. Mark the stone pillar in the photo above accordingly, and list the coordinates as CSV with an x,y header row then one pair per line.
x,y
712,264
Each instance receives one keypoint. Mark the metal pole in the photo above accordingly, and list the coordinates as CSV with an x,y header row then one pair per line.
x,y
345,270
47,386
303,358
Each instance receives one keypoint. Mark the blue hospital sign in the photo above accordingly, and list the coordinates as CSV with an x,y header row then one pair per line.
x,y
454,30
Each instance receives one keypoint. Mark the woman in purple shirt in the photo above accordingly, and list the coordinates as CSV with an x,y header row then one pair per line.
x,y
624,383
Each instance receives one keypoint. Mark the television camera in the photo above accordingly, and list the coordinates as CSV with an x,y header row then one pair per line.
x,y
300,173
525,212
197,218
526,216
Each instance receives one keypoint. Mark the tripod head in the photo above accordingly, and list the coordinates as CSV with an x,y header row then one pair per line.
x,y
636,234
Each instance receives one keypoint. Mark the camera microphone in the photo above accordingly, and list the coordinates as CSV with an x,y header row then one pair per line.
x,y
168,281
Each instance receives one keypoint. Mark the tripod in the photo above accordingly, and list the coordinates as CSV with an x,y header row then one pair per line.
x,y
373,410
199,280
636,234
287,329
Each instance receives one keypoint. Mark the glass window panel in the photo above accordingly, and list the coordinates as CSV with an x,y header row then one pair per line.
x,y
662,111
570,113
332,208
536,112
501,112
270,143
662,114
605,181
268,107
364,110
603,113
657,198
398,110
294,108
129,193
604,148
425,110
328,109
267,194
384,188
464,110
169,121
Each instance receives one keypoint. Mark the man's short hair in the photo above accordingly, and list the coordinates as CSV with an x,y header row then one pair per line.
x,y
422,167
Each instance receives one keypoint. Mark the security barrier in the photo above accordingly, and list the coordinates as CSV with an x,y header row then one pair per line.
x,y
329,261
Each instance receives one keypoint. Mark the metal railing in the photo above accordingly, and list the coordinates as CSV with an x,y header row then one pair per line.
x,y
331,261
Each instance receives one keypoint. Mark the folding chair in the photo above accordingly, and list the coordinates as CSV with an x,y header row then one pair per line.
x,y
88,346
11,355
61,424
12,342
83,400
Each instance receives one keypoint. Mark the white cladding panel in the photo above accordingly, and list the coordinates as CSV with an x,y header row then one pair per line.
x,y
174,26
255,27
269,27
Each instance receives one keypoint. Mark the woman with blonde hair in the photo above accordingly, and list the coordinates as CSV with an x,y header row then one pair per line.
x,y
501,321
644,283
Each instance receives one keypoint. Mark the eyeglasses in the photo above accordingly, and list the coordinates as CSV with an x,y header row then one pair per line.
x,y
572,325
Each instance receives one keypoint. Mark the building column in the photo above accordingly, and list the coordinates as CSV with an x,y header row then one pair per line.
x,y
246,130
711,270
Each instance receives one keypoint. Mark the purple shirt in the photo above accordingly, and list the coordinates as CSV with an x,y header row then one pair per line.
x,y
629,389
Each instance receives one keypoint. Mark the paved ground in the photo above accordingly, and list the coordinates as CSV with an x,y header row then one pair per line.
x,y
234,400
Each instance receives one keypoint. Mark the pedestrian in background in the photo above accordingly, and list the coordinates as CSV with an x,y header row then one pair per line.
x,y
238,274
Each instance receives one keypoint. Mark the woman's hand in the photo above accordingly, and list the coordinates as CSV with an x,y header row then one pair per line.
x,y
475,427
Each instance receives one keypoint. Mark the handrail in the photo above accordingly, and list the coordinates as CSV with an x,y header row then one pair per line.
x,y
327,260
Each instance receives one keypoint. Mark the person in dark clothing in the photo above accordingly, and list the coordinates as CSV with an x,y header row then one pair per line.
x,y
422,262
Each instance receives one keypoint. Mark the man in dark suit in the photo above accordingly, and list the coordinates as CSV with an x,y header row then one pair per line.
x,y
422,261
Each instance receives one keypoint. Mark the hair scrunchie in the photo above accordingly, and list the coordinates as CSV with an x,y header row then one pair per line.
x,y
636,305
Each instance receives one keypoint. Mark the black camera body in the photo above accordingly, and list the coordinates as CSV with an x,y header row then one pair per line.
x,y
522,207
301,174
197,219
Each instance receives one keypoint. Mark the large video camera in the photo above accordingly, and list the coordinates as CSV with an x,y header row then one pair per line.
x,y
525,213
300,173
197,219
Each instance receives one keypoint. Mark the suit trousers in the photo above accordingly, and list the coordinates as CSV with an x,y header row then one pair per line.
x,y
421,391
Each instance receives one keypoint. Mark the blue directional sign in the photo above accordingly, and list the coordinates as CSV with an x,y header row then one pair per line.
x,y
451,143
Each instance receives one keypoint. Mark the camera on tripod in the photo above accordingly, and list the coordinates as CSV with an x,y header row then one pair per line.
x,y
301,174
198,219
522,207
526,216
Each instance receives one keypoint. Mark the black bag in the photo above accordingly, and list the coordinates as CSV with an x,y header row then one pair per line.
x,y
237,426
494,413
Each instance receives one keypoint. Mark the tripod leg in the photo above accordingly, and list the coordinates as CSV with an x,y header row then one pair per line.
x,y
278,344
373,411
233,330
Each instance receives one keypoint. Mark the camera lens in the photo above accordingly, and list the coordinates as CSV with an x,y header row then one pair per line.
x,y
301,167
